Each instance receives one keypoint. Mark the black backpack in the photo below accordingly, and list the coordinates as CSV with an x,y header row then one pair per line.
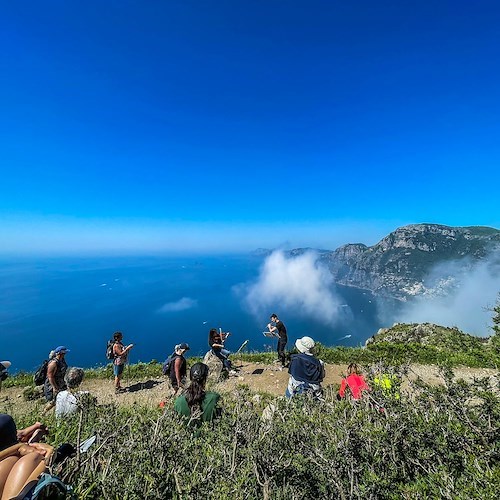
x,y
167,365
41,374
109,349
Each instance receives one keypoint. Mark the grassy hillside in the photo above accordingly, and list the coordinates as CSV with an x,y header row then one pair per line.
x,y
418,441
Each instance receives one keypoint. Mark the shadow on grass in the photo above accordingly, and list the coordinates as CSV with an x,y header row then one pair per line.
x,y
140,386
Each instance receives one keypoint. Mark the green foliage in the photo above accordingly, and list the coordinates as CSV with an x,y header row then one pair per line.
x,y
432,442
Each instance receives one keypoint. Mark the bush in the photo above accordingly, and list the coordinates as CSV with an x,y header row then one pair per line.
x,y
431,442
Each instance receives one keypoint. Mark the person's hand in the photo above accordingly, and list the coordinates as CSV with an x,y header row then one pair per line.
x,y
130,346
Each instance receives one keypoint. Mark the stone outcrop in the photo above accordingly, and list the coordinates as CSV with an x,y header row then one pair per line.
x,y
399,266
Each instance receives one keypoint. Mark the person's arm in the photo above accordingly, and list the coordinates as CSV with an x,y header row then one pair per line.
x,y
24,435
343,387
51,375
120,351
177,371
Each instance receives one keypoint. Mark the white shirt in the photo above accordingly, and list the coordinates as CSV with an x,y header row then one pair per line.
x,y
66,404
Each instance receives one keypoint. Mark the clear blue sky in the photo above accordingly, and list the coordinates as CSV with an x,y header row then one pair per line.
x,y
131,126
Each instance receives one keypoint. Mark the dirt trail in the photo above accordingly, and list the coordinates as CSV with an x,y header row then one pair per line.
x,y
258,377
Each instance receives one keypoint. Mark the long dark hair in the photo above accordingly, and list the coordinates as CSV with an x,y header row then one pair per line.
x,y
196,391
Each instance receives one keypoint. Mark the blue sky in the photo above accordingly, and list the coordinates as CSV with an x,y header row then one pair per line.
x,y
134,126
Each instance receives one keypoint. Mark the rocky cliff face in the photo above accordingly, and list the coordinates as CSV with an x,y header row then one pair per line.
x,y
401,264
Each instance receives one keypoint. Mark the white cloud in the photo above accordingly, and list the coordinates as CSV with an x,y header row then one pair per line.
x,y
296,284
465,305
179,305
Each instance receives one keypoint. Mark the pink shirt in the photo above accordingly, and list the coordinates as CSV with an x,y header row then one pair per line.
x,y
356,384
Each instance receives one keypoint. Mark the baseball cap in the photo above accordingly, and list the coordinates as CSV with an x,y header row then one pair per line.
x,y
60,348
183,345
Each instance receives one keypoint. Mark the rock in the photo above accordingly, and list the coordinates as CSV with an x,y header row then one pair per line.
x,y
216,368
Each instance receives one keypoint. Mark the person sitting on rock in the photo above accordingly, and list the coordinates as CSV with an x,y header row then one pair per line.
x,y
306,371
196,404
354,381
216,341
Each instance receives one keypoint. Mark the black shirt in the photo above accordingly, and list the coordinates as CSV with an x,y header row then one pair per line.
x,y
281,329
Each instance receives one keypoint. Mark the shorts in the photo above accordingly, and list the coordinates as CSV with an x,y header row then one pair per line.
x,y
118,370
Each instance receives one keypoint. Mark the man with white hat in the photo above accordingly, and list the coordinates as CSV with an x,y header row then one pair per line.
x,y
306,371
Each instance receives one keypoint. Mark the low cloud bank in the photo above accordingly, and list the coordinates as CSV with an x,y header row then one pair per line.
x,y
296,284
470,291
179,305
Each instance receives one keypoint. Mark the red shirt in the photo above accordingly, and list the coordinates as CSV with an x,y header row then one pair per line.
x,y
356,384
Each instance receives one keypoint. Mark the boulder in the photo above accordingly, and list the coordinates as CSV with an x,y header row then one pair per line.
x,y
216,368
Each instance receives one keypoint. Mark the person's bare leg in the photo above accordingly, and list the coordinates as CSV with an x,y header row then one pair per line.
x,y
26,469
5,467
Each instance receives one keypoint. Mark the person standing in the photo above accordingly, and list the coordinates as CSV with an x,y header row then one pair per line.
x,y
120,353
178,368
306,371
56,370
277,327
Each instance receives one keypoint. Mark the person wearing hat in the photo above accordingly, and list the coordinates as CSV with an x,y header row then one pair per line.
x,y
120,353
306,371
178,368
56,370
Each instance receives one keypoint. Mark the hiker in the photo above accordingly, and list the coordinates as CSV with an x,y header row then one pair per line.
x,y
120,353
278,327
216,339
197,404
178,367
354,381
306,370
20,463
56,370
66,401
4,366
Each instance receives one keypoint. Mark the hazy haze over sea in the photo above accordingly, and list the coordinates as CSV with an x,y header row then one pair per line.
x,y
159,301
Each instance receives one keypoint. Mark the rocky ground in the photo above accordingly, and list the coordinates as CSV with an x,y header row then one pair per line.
x,y
258,377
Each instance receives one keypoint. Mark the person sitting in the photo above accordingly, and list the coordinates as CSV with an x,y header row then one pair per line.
x,y
354,381
216,341
178,368
306,371
21,464
66,401
197,404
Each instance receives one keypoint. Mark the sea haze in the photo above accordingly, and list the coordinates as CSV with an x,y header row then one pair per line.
x,y
156,303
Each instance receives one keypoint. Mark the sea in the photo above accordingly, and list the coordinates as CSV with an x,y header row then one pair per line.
x,y
156,302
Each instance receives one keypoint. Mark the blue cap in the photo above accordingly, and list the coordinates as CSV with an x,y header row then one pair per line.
x,y
60,348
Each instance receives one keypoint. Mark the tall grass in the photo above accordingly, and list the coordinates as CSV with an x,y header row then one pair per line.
x,y
431,442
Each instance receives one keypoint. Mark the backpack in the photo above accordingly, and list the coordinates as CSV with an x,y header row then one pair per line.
x,y
167,365
110,354
49,487
41,374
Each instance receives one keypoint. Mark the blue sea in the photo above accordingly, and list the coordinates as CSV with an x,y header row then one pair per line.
x,y
156,302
